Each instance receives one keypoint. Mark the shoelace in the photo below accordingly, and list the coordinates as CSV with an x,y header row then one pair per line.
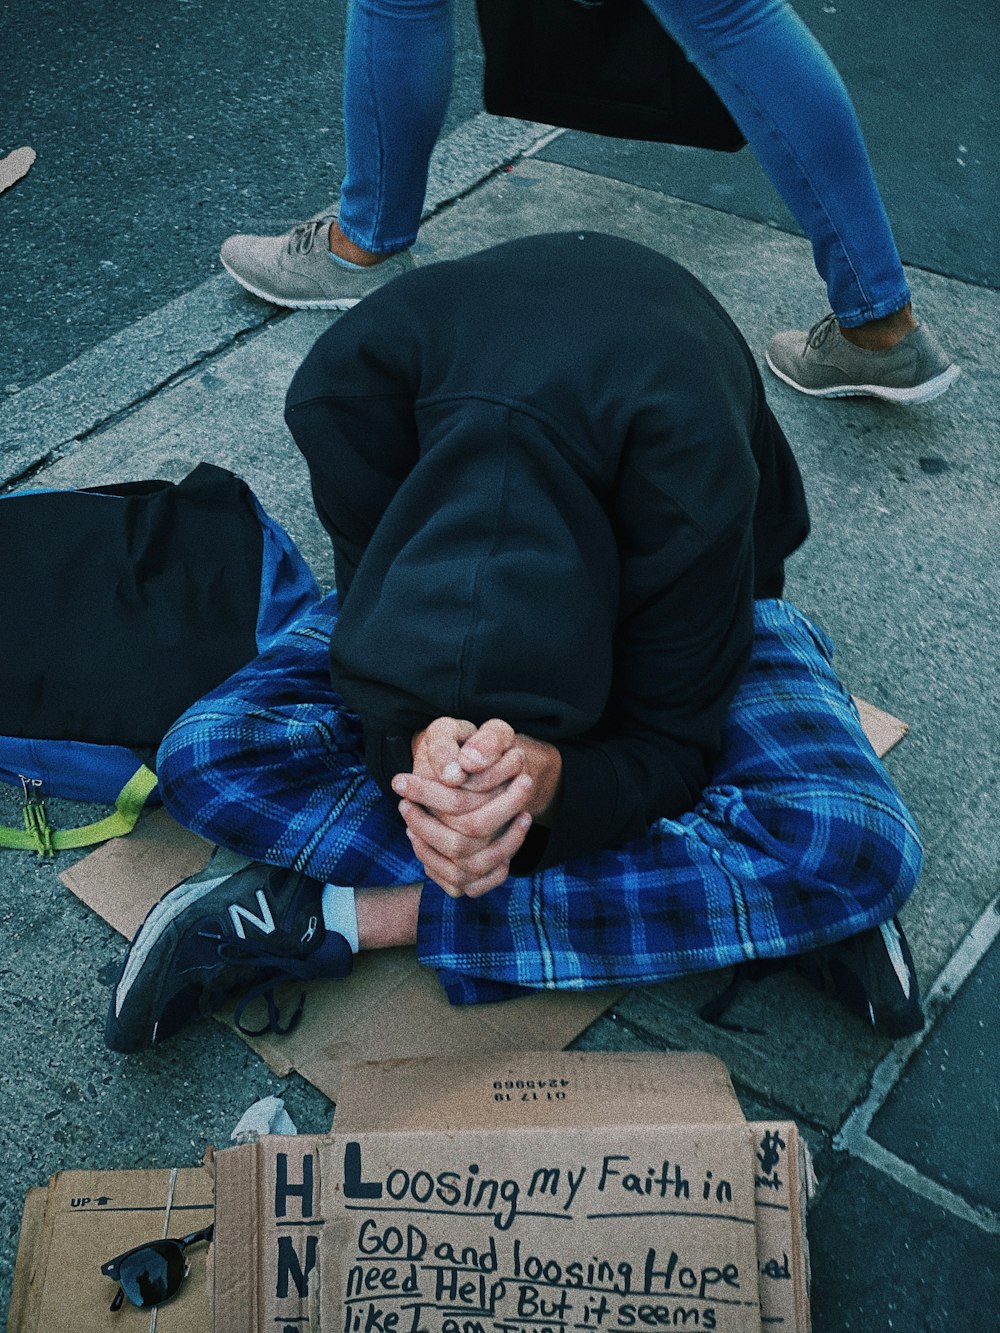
x,y
303,238
714,1010
265,990
821,330
276,971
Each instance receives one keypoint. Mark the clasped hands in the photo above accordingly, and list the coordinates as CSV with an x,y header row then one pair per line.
x,y
471,798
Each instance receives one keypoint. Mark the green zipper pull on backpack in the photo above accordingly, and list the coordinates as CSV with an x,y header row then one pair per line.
x,y
36,820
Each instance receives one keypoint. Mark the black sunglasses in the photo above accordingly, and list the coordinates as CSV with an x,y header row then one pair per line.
x,y
152,1273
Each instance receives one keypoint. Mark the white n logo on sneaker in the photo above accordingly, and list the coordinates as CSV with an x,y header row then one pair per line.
x,y
264,923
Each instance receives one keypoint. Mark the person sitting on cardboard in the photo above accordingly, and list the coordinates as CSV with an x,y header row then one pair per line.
x,y
557,727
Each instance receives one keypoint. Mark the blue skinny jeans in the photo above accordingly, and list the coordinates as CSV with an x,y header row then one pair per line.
x,y
777,81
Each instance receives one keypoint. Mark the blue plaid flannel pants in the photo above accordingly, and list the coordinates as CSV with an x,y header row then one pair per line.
x,y
799,838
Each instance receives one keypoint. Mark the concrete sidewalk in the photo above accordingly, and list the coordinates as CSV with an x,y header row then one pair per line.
x,y
901,569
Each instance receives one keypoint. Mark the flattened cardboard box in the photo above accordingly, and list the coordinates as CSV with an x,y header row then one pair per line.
x,y
542,1193
343,1020
87,1217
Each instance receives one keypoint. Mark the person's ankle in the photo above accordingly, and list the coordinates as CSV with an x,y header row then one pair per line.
x,y
346,249
387,918
881,335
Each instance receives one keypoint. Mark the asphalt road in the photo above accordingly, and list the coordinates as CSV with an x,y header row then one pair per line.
x,y
160,128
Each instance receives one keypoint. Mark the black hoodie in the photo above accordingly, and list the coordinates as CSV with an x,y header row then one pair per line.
x,y
553,488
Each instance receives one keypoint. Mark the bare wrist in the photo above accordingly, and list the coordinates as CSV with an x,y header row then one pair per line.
x,y
543,762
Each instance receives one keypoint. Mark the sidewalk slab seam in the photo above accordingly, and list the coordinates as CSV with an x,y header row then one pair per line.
x,y
888,1072
853,1136
53,417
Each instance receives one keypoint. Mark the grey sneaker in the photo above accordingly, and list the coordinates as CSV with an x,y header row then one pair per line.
x,y
296,270
824,364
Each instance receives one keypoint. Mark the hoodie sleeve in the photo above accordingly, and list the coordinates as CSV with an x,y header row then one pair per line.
x,y
679,660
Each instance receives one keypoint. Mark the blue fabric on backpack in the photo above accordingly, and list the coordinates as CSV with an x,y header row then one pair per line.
x,y
288,588
76,770
86,769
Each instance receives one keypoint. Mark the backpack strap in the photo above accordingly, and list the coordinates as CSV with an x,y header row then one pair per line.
x,y
39,836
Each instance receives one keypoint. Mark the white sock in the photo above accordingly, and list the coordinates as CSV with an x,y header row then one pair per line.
x,y
340,913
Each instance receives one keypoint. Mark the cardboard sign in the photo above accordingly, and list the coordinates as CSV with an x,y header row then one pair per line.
x,y
605,1229
783,1183
625,1089
566,1193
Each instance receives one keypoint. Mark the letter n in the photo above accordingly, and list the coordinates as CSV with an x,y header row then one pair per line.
x,y
290,1267
264,923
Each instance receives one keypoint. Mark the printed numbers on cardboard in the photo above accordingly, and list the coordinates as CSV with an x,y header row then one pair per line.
x,y
530,1089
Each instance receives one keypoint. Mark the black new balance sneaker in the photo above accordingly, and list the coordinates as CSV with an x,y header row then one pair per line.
x,y
872,974
236,929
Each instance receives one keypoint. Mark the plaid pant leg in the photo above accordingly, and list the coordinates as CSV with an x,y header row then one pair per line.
x,y
271,765
799,839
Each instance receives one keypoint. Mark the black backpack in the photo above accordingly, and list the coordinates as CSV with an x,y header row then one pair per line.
x,y
119,607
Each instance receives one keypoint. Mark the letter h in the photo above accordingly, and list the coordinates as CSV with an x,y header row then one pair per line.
x,y
282,1189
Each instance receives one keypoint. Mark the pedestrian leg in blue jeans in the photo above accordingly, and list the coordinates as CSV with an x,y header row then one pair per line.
x,y
791,104
398,64
782,90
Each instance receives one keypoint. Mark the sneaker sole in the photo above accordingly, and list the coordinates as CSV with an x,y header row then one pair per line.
x,y
896,1020
337,303
919,393
159,919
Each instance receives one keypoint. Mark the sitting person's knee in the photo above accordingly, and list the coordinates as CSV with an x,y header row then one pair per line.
x,y
185,763
174,770
859,841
